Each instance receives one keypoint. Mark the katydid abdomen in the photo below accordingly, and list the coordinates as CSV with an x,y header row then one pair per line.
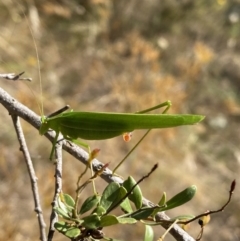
x,y
104,125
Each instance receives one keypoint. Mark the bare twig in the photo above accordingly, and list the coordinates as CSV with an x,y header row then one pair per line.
x,y
14,77
232,187
58,188
33,178
12,105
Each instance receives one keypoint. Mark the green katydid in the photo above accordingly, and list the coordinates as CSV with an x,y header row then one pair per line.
x,y
106,125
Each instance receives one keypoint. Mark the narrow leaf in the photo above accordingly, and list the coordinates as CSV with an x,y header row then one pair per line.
x,y
99,210
91,221
108,220
161,204
163,199
149,234
61,226
89,203
73,232
67,229
119,195
127,220
62,205
108,196
68,200
181,198
136,195
126,206
62,213
143,213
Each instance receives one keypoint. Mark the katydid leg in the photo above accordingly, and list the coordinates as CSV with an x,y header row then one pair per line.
x,y
89,161
66,107
167,105
54,145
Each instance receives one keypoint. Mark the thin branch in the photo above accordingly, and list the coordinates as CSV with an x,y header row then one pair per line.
x,y
209,212
13,106
14,77
58,188
33,178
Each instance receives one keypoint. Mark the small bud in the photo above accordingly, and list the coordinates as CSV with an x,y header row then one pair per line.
x,y
127,136
94,153
105,166
101,170
204,220
233,186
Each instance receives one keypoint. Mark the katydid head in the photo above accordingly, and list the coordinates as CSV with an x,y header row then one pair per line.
x,y
44,126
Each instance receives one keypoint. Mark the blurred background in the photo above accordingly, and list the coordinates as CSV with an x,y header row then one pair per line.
x,y
125,56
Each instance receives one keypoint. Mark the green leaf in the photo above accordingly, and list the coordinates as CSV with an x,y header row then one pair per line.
x,y
61,226
126,206
163,199
181,198
89,203
109,195
119,195
149,234
136,195
127,220
67,229
62,213
112,195
92,221
108,220
62,205
68,200
143,213
99,210
73,232
161,204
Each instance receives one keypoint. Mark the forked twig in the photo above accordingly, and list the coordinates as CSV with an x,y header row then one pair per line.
x,y
232,187
14,77
33,178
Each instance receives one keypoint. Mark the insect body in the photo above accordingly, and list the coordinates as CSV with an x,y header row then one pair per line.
x,y
106,125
